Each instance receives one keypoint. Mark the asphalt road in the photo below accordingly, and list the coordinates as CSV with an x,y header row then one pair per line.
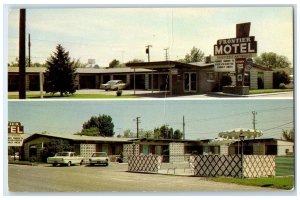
x,y
114,178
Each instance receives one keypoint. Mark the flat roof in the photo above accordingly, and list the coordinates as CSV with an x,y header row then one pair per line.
x,y
84,70
79,137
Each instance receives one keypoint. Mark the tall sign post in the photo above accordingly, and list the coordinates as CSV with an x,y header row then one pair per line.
x,y
241,48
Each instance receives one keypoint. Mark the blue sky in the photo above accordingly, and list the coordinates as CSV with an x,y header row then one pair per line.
x,y
204,118
105,34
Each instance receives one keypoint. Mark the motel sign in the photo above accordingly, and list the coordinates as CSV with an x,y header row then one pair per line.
x,y
15,134
234,46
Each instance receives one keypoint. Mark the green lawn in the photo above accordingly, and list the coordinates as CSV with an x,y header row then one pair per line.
x,y
286,183
284,165
261,91
75,96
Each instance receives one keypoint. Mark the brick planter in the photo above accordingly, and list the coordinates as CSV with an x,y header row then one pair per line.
x,y
240,90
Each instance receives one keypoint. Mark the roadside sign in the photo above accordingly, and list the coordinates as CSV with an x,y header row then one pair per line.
x,y
226,65
249,63
15,134
15,140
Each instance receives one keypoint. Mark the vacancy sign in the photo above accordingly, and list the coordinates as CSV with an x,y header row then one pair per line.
x,y
15,134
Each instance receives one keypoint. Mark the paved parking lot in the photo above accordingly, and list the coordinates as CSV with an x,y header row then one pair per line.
x,y
114,178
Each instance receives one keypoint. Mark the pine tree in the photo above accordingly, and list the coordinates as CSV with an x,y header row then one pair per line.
x,y
60,75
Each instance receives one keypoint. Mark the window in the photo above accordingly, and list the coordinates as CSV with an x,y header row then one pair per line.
x,y
210,77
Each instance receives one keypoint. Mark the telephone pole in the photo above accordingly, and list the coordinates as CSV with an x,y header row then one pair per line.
x,y
167,55
22,52
148,51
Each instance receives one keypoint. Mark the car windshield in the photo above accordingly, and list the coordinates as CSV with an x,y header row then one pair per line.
x,y
62,154
100,154
111,82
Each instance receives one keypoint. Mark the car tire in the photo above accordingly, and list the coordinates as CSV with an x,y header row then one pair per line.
x,y
81,162
69,164
106,164
91,164
54,164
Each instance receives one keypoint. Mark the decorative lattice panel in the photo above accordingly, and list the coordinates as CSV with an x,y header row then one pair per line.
x,y
218,165
144,163
176,152
258,165
86,151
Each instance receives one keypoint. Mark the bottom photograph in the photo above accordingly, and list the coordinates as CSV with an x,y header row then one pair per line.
x,y
102,146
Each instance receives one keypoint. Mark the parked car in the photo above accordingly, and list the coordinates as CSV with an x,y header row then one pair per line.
x,y
65,158
99,158
113,85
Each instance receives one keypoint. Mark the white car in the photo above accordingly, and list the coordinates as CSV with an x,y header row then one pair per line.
x,y
99,158
113,85
65,158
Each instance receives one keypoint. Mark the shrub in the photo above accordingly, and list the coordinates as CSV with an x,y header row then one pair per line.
x,y
33,159
280,77
282,86
226,81
119,93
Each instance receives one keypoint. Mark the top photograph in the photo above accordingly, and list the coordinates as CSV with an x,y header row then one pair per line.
x,y
149,52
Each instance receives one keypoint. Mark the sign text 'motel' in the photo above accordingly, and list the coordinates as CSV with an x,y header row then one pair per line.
x,y
16,129
233,46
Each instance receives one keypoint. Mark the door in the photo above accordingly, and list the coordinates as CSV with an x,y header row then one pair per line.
x,y
145,149
105,148
190,82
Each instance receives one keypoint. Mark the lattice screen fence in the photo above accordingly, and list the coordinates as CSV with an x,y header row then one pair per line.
x,y
144,163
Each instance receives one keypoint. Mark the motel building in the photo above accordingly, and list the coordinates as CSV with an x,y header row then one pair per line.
x,y
34,145
175,77
232,57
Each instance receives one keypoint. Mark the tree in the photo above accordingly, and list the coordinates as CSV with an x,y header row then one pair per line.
x,y
177,134
145,134
103,123
166,132
288,135
136,60
78,64
15,63
280,77
114,63
272,60
93,131
60,74
57,145
195,55
129,134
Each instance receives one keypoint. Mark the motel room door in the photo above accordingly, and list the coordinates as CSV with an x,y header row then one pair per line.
x,y
190,82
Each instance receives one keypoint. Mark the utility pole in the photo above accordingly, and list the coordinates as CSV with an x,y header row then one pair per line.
x,y
148,51
183,127
167,56
137,126
29,45
22,51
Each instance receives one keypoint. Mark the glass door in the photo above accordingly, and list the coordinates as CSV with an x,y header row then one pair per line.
x,y
190,82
